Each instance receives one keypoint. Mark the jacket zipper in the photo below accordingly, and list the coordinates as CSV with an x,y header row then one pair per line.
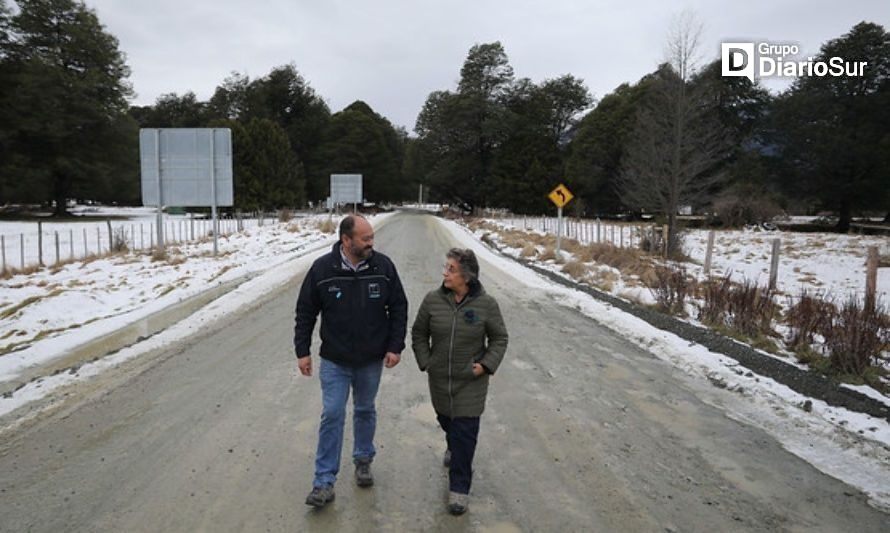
x,y
450,354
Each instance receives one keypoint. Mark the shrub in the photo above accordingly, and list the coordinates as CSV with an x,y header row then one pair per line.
x,y
752,309
857,337
670,289
806,318
285,215
119,240
715,295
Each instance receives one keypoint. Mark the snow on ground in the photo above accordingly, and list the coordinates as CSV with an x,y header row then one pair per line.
x,y
827,263
48,312
102,294
79,238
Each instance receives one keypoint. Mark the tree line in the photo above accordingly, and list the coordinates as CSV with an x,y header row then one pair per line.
x,y
680,136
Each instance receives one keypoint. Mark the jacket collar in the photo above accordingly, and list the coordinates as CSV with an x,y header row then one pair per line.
x,y
337,259
476,290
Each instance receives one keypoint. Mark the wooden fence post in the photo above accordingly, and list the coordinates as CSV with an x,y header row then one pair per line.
x,y
774,265
664,239
709,253
56,233
40,243
110,240
871,278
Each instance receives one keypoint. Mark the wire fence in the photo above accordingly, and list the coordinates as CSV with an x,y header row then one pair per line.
x,y
47,243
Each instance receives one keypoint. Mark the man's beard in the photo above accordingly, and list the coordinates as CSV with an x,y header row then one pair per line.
x,y
360,251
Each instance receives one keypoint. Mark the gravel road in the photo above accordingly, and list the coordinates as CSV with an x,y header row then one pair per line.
x,y
584,431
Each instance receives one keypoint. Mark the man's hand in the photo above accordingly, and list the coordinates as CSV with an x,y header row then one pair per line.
x,y
305,364
391,359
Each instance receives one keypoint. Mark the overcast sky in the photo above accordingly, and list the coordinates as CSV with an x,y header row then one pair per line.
x,y
393,53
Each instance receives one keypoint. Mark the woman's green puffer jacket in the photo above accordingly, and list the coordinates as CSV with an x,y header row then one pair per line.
x,y
448,338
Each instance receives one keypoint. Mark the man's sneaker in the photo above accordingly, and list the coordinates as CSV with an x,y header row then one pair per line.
x,y
458,503
363,475
320,496
446,460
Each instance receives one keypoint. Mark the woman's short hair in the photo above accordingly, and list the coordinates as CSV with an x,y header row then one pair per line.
x,y
466,260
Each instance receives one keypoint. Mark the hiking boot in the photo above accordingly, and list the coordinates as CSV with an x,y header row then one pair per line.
x,y
458,503
446,460
320,496
363,475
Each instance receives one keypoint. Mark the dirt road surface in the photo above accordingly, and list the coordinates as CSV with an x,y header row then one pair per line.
x,y
583,432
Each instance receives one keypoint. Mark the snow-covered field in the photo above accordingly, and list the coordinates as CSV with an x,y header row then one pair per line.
x,y
52,310
824,263
21,242
45,313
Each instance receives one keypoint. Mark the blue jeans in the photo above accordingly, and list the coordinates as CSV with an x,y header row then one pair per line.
x,y
461,435
335,382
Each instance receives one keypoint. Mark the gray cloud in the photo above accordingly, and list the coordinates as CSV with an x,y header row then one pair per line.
x,y
392,54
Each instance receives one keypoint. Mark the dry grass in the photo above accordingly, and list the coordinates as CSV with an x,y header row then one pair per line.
x,y
326,226
222,271
576,269
27,271
293,227
285,215
549,254
529,250
159,253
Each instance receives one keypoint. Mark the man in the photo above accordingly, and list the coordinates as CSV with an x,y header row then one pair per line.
x,y
364,316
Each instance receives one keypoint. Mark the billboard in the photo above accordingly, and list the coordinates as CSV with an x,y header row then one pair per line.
x,y
346,189
186,166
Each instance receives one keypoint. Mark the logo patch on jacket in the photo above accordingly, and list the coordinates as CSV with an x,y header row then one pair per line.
x,y
470,316
373,290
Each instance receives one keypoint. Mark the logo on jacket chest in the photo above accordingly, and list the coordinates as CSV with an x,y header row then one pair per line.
x,y
373,290
334,288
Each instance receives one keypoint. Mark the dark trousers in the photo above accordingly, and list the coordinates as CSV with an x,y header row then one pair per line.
x,y
461,434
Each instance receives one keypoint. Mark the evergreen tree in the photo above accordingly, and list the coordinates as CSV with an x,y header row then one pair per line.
x,y
173,111
359,141
464,129
285,97
68,96
832,130
595,153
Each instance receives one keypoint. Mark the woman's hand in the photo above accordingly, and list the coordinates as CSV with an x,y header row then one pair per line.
x,y
478,369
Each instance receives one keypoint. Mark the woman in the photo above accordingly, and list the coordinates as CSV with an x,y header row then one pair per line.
x,y
459,339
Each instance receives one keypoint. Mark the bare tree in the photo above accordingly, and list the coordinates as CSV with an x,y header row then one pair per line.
x,y
677,143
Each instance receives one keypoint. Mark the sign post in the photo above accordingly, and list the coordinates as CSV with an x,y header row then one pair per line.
x,y
560,196
186,167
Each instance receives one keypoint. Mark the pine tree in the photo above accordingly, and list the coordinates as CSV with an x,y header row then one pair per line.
x,y
70,92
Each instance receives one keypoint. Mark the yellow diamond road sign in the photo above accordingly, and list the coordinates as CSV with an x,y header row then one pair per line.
x,y
560,195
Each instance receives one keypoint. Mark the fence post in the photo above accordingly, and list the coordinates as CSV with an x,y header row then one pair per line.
x,y
110,242
871,278
40,243
3,246
86,248
709,252
599,228
22,251
664,239
71,244
56,233
774,265
98,241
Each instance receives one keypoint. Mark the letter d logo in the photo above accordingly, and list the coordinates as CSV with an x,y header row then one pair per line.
x,y
737,59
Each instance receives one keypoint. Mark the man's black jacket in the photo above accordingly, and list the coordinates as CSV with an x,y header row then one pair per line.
x,y
364,314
